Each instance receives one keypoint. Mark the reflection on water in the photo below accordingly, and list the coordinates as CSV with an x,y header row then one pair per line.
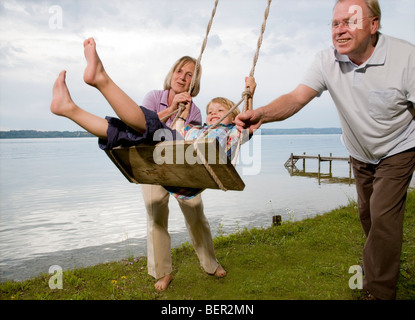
x,y
63,202
321,176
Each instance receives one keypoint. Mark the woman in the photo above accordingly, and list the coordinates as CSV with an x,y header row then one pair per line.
x,y
156,198
176,91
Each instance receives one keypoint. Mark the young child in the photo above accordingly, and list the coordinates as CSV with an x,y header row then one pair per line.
x,y
137,124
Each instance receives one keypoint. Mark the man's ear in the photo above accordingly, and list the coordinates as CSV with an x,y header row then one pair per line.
x,y
375,25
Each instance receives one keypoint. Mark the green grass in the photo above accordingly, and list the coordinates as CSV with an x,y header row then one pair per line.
x,y
308,259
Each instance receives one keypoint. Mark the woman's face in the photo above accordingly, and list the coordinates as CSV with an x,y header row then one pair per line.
x,y
182,77
215,111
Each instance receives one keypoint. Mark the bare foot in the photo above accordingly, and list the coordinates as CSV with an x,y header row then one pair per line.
x,y
163,283
220,272
62,103
94,73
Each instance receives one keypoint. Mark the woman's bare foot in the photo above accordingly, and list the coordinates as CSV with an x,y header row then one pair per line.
x,y
94,73
62,103
163,283
220,272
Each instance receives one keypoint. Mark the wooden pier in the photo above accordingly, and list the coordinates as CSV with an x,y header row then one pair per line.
x,y
290,163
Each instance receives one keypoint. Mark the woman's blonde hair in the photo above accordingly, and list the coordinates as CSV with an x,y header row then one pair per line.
x,y
177,66
228,104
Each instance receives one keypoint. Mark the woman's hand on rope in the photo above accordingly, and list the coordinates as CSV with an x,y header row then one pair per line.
x,y
183,97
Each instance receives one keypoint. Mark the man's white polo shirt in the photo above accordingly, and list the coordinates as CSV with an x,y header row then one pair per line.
x,y
375,100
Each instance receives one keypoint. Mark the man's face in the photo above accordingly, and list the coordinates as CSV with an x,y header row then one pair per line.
x,y
352,28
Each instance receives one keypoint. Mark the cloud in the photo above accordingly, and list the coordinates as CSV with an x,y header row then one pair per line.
x,y
13,6
140,40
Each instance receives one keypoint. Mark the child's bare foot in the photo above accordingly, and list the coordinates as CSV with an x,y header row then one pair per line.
x,y
62,103
163,283
220,272
94,74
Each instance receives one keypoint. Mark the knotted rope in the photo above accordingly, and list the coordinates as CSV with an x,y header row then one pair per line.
x,y
246,95
182,106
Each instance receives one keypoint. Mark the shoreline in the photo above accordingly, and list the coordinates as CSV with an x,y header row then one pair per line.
x,y
37,134
307,259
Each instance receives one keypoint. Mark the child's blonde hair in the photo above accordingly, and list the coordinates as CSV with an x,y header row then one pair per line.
x,y
228,104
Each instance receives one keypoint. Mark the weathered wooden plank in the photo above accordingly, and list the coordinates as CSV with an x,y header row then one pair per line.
x,y
175,163
321,158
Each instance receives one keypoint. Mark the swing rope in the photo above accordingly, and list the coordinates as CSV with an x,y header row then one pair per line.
x,y
246,95
182,106
229,175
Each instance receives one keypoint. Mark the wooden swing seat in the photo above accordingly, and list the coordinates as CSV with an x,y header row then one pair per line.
x,y
175,163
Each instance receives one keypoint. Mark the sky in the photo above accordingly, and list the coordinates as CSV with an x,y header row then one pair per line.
x,y
138,42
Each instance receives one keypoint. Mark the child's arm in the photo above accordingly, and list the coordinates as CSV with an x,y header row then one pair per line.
x,y
179,126
234,136
181,120
250,84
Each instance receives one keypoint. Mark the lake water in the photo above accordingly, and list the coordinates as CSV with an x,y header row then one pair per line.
x,y
63,202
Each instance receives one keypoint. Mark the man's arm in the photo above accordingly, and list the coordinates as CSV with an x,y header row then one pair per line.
x,y
278,110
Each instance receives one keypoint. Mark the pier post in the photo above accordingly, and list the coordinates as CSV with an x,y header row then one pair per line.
x,y
294,158
276,220
292,163
319,165
331,155
304,162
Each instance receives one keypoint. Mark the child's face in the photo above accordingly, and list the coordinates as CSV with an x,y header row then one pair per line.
x,y
215,111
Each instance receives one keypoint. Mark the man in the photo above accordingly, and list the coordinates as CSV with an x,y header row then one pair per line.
x,y
371,78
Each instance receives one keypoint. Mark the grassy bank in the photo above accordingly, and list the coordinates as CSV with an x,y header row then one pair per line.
x,y
309,259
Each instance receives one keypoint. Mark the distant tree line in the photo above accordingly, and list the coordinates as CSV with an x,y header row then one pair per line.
x,y
301,131
22,134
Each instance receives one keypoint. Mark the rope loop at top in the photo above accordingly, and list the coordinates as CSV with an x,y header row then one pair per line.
x,y
197,65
